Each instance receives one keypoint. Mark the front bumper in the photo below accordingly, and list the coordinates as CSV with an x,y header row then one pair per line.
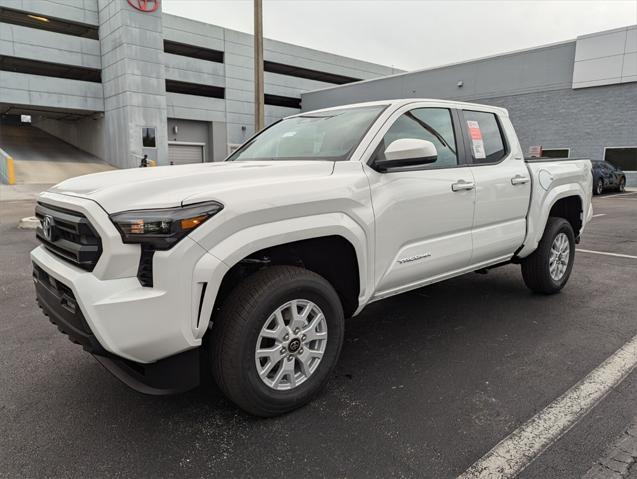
x,y
170,375
141,324
125,325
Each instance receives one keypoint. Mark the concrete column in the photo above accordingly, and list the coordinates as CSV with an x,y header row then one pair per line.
x,y
133,79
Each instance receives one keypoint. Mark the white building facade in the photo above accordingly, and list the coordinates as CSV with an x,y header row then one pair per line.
x,y
120,82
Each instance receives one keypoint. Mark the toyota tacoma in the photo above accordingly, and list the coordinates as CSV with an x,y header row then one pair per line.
x,y
248,268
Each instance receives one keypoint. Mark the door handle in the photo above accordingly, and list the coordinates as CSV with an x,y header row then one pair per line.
x,y
519,180
463,185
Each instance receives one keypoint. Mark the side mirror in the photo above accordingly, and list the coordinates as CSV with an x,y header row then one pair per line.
x,y
407,152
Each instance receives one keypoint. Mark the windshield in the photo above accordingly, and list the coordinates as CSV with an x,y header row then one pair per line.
x,y
330,135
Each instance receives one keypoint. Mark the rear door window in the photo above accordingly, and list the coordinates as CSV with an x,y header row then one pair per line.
x,y
486,141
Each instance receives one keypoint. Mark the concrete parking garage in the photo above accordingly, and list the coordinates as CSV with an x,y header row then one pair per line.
x,y
427,384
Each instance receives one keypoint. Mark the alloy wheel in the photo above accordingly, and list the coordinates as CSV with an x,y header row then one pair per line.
x,y
559,257
291,344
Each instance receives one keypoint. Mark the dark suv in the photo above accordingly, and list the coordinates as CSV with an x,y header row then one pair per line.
x,y
607,176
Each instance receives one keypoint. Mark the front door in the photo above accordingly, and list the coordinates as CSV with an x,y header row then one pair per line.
x,y
423,214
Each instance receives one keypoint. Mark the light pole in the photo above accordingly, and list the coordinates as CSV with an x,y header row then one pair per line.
x,y
258,66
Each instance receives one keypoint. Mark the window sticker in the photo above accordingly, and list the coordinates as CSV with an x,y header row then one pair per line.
x,y
476,140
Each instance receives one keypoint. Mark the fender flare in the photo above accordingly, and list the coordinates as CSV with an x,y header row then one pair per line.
x,y
536,228
245,242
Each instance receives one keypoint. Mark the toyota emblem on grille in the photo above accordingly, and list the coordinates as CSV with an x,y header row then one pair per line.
x,y
48,225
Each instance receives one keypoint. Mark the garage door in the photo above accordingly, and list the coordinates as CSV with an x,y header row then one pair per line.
x,y
183,154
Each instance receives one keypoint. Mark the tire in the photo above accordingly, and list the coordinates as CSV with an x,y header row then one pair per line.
x,y
536,268
622,185
599,187
239,328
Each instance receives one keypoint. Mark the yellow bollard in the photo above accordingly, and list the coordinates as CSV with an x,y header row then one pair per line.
x,y
10,171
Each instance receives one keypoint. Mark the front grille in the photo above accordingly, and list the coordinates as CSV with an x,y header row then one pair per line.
x,y
69,235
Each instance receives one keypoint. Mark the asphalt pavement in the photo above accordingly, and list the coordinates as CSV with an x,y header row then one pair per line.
x,y
428,381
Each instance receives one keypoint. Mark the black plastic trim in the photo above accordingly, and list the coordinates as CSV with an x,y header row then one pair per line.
x,y
170,375
58,303
75,240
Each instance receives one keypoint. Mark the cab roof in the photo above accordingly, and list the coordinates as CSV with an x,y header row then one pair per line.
x,y
397,103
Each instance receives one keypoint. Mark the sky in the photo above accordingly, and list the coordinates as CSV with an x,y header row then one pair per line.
x,y
414,34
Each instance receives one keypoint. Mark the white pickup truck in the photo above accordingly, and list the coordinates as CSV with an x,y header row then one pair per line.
x,y
252,265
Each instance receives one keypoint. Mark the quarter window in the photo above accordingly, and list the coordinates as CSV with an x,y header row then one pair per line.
x,y
485,137
431,124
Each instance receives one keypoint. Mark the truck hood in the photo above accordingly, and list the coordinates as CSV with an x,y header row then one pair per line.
x,y
170,186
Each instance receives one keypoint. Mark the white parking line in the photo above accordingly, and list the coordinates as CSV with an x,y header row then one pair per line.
x,y
599,214
616,195
519,449
619,255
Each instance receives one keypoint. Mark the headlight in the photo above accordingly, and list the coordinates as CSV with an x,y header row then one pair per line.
x,y
163,228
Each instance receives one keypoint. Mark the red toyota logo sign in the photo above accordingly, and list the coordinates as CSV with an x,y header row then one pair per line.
x,y
147,6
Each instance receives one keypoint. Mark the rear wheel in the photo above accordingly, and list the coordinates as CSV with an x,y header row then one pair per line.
x,y
622,185
599,187
548,268
277,339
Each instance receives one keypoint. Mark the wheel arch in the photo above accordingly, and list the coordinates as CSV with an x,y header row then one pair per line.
x,y
332,245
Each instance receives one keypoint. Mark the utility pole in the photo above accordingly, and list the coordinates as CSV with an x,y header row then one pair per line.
x,y
258,66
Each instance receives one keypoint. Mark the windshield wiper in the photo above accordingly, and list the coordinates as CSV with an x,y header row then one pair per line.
x,y
431,130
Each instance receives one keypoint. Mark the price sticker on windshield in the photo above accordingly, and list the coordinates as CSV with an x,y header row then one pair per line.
x,y
476,140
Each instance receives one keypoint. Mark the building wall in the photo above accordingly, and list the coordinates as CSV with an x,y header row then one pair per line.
x,y
585,120
606,58
541,69
133,77
580,94
86,134
108,116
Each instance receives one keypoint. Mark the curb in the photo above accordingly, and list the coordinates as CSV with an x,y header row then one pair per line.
x,y
29,223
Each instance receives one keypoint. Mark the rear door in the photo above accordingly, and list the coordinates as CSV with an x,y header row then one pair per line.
x,y
423,222
503,186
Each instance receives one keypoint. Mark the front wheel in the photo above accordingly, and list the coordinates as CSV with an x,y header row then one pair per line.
x,y
277,339
548,268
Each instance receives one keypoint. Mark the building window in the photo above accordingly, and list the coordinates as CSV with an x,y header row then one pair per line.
x,y
193,51
556,152
306,73
285,101
174,86
148,138
44,22
57,70
623,157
